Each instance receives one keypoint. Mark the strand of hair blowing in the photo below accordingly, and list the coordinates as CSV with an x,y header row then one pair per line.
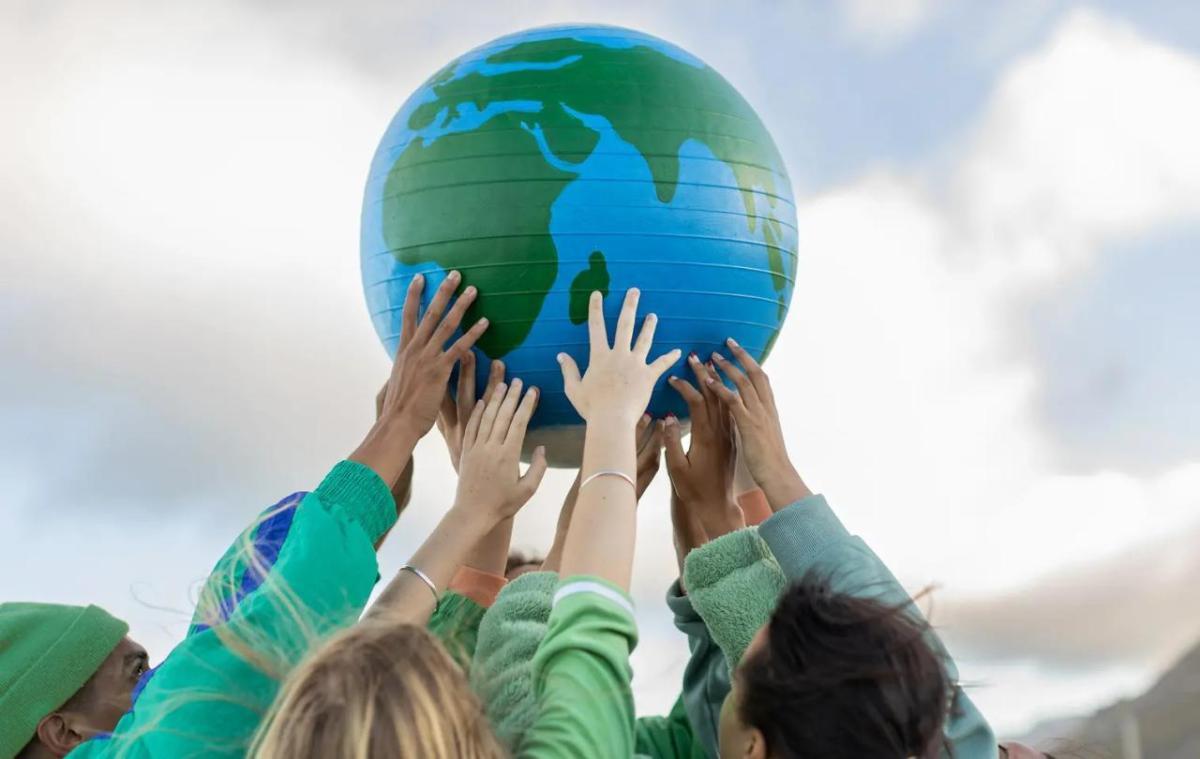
x,y
844,676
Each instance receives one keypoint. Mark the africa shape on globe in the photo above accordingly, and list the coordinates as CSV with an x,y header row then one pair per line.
x,y
557,161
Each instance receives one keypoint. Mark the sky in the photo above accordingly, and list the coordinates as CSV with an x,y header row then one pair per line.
x,y
988,368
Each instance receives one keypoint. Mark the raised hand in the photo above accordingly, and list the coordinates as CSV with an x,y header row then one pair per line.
x,y
491,487
618,379
419,375
753,409
703,476
456,409
649,453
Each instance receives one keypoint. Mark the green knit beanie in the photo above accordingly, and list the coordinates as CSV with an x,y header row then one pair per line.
x,y
47,653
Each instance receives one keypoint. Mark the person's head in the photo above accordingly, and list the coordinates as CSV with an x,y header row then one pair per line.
x,y
832,675
377,690
67,673
520,563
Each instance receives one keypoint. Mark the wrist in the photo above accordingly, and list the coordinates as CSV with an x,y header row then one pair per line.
x,y
719,519
784,488
473,521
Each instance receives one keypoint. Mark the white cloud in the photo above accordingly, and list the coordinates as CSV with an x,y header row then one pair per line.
x,y
885,22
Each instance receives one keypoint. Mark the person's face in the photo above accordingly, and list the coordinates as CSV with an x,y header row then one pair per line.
x,y
110,691
735,739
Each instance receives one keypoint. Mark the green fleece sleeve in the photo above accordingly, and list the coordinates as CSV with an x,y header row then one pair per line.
x,y
734,583
456,625
706,675
582,675
668,737
502,669
308,578
808,537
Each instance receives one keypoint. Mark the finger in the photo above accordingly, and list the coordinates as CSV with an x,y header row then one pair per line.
x,y
453,318
532,478
412,306
754,371
665,362
643,432
740,380
465,343
645,338
466,385
570,372
691,396
492,408
597,336
495,377
448,413
520,422
651,448
626,319
729,398
433,314
472,431
703,373
508,407
677,462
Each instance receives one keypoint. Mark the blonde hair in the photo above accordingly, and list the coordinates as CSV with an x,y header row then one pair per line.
x,y
380,690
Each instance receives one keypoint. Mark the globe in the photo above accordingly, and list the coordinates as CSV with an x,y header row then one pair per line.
x,y
557,161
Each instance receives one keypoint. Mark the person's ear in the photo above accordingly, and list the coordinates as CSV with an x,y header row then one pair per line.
x,y
57,734
756,744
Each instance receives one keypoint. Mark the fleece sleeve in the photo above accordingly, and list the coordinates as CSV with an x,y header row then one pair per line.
x,y
734,583
502,669
668,737
808,537
706,675
582,676
302,571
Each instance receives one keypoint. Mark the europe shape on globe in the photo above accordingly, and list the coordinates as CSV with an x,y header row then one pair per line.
x,y
557,161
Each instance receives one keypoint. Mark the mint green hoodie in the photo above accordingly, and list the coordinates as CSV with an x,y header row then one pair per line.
x,y
734,582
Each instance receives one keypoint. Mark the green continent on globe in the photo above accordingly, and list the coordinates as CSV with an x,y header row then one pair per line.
x,y
593,278
494,181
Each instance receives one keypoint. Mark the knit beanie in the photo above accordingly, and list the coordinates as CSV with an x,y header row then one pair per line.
x,y
47,653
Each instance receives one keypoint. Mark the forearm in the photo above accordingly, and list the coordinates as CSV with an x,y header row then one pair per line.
x,y
387,449
407,598
600,539
554,558
491,553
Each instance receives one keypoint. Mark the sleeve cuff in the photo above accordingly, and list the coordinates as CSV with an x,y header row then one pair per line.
x,y
754,507
717,559
364,496
477,585
595,587
803,529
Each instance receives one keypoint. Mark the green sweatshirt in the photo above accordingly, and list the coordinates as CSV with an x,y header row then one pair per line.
x,y
734,583
302,571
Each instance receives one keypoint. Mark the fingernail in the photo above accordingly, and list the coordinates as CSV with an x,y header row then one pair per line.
x,y
672,380
453,275
419,278
470,290
540,450
646,417
717,356
692,356
634,291
561,357
732,343
651,316
670,420
484,321
709,381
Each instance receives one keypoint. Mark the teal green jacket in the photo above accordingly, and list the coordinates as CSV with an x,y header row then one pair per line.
x,y
303,570
733,583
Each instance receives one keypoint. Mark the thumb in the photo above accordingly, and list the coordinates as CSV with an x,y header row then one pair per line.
x,y
571,380
532,478
673,443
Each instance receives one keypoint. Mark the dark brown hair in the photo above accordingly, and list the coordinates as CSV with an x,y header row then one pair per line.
x,y
844,676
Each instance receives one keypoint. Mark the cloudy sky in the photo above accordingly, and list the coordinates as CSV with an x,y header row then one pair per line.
x,y
990,364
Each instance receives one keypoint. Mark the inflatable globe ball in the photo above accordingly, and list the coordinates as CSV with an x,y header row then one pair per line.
x,y
557,161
